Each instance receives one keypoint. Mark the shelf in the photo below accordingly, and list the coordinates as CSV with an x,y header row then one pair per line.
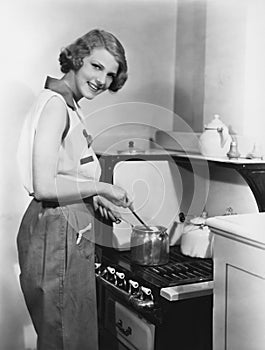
x,y
252,170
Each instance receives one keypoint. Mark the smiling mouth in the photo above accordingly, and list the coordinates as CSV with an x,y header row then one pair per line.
x,y
94,87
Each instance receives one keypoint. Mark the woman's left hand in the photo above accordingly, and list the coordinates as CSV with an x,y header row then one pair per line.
x,y
107,209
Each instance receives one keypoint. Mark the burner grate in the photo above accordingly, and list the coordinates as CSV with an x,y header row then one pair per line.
x,y
180,269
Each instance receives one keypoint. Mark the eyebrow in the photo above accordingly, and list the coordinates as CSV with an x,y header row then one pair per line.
x,y
102,66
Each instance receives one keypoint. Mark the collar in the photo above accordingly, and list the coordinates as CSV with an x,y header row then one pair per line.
x,y
60,87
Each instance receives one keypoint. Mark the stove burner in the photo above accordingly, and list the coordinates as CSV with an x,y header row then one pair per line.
x,y
180,269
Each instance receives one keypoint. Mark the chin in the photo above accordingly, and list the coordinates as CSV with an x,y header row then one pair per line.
x,y
91,95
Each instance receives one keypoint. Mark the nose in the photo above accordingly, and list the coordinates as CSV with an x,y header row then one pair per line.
x,y
101,80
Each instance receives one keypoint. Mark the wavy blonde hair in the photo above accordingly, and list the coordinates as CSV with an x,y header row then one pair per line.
x,y
71,57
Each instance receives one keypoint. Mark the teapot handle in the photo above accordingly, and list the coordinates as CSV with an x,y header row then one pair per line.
x,y
223,136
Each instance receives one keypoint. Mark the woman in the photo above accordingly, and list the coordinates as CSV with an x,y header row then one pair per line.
x,y
61,172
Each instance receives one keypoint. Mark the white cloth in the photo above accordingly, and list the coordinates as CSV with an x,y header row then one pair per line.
x,y
76,159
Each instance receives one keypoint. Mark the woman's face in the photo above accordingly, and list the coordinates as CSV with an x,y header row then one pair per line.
x,y
96,74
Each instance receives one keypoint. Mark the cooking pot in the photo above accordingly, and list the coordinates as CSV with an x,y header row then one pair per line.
x,y
149,246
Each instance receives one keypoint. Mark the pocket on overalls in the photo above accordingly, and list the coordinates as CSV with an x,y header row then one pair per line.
x,y
84,243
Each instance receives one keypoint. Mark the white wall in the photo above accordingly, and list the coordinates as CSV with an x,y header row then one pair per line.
x,y
220,69
254,106
190,63
32,33
234,88
234,66
225,62
220,65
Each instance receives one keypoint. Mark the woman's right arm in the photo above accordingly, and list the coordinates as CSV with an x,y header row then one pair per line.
x,y
46,182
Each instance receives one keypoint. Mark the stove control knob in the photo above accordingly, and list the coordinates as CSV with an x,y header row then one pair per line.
x,y
133,287
144,300
97,267
146,291
146,294
110,275
121,281
120,275
134,284
111,270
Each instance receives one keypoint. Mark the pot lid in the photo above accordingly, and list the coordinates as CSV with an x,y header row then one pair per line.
x,y
131,149
198,221
216,123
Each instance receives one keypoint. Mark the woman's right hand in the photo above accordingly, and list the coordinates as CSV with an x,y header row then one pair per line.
x,y
119,197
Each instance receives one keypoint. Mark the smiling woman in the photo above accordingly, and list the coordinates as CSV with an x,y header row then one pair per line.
x,y
61,172
95,75
72,57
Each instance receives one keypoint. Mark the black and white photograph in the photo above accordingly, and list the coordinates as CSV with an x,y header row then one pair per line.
x,y
133,175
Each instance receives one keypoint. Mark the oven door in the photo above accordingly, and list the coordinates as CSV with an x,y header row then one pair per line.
x,y
130,330
123,327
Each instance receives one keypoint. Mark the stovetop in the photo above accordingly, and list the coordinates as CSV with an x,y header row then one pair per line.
x,y
145,287
179,270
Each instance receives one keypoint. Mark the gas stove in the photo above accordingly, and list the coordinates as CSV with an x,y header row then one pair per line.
x,y
143,286
169,301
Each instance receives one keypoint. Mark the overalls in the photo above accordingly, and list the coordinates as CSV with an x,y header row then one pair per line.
x,y
56,252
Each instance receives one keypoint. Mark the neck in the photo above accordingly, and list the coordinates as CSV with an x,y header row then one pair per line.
x,y
71,86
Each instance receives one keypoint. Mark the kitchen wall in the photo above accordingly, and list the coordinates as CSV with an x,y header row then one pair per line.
x,y
32,33
190,63
235,70
220,65
220,55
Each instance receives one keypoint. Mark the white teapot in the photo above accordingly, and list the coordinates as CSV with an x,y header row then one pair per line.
x,y
215,140
197,239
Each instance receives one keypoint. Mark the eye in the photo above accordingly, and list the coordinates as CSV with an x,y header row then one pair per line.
x,y
96,66
111,75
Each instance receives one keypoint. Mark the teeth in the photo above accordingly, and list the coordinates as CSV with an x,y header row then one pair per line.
x,y
93,87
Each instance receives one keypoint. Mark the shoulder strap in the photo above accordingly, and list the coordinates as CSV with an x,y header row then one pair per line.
x,y
67,127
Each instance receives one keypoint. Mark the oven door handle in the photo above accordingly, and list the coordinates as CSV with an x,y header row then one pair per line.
x,y
125,332
187,291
